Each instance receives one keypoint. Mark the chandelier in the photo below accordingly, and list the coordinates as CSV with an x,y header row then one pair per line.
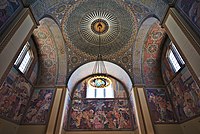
x,y
99,79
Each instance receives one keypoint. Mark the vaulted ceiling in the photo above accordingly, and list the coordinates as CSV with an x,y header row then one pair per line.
x,y
120,38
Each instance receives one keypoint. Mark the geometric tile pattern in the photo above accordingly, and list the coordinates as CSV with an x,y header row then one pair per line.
x,y
152,55
47,55
52,54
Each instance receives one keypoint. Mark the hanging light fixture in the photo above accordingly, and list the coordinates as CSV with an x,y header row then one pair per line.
x,y
99,79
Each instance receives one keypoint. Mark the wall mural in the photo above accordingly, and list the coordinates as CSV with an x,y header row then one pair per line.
x,y
167,72
100,114
160,106
39,107
14,96
190,9
185,95
8,10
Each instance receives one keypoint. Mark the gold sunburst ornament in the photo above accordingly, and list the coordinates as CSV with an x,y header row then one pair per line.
x,y
100,79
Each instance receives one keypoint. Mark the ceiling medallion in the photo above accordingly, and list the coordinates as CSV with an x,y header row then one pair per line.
x,y
99,23
99,81
89,31
80,27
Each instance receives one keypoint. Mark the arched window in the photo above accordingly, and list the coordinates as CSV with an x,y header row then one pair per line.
x,y
99,92
95,108
174,58
24,59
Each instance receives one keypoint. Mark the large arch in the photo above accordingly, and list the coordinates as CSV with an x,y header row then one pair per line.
x,y
52,54
85,71
137,49
112,69
146,53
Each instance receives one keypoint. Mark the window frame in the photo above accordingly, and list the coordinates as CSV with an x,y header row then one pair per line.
x,y
89,89
172,48
21,57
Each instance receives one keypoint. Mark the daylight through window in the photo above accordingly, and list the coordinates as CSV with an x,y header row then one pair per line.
x,y
24,59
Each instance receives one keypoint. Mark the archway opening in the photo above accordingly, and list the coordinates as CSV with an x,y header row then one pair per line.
x,y
97,108
100,108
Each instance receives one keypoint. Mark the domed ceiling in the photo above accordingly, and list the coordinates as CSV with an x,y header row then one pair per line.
x,y
119,27
111,24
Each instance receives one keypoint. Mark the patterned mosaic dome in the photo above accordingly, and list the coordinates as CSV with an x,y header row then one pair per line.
x,y
118,27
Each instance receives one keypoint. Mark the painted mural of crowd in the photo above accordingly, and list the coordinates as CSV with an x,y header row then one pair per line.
x,y
191,9
100,114
160,106
14,95
39,107
7,9
185,95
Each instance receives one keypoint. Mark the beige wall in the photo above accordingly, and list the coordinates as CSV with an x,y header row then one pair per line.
x,y
168,129
191,127
31,129
7,127
101,132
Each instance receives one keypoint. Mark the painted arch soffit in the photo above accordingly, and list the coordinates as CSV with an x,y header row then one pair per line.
x,y
112,69
51,49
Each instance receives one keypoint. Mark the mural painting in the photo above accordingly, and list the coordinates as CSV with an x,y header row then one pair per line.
x,y
14,96
39,107
100,114
160,106
190,9
33,76
185,95
168,73
8,8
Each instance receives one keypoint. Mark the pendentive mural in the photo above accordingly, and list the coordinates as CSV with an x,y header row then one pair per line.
x,y
160,106
39,107
185,95
190,10
14,96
